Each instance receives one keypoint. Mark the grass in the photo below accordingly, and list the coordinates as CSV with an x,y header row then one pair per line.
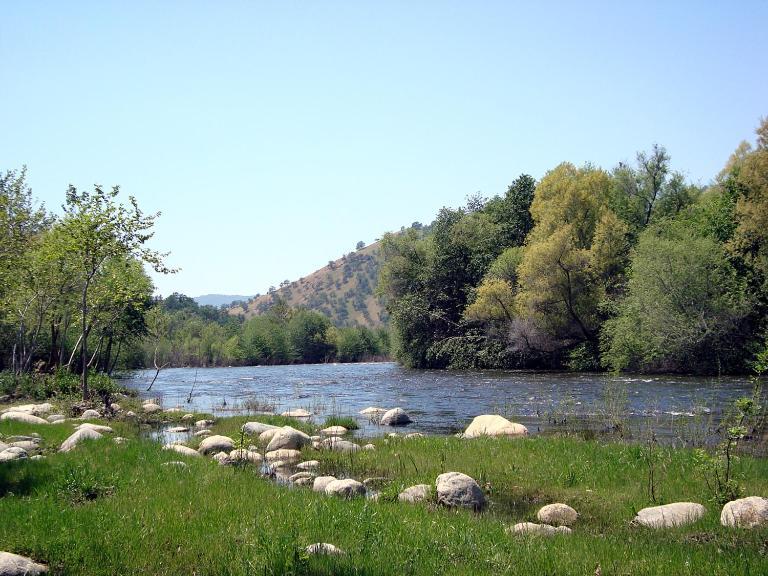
x,y
115,509
349,422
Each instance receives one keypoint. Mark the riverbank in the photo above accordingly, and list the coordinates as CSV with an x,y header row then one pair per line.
x,y
109,508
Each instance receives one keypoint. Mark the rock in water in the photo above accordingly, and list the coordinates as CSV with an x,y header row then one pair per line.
x,y
493,425
455,489
395,417
745,512
334,431
23,417
298,413
557,515
346,488
15,565
214,444
183,450
77,437
670,515
336,444
417,493
373,411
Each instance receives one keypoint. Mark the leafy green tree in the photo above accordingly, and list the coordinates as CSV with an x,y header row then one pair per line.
x,y
95,230
307,336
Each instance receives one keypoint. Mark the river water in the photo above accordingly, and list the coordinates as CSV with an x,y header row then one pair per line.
x,y
446,401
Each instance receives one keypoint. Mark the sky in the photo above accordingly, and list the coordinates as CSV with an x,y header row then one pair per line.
x,y
273,136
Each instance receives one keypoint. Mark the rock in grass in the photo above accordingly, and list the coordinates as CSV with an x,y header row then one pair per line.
x,y
304,481
34,409
336,444
288,438
298,413
300,476
130,414
493,425
120,440
369,447
89,414
214,444
188,417
417,493
266,436
181,449
373,411
3,445
395,417
116,407
79,436
283,454
308,465
747,512
204,432
414,435
23,417
256,428
222,458
670,515
557,515
151,408
334,431
13,453
321,482
15,565
173,410
243,455
323,548
457,490
346,488
99,428
175,464
530,528
56,418
204,423
28,445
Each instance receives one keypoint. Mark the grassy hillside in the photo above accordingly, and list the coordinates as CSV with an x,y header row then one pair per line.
x,y
343,290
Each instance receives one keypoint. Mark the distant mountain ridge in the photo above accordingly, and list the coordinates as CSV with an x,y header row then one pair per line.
x,y
344,290
219,299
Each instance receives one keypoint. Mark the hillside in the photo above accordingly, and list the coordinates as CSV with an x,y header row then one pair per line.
x,y
343,290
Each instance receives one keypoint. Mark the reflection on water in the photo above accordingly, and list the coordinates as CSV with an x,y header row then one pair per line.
x,y
442,401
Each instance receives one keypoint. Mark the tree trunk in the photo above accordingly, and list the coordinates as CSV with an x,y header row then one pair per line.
x,y
84,343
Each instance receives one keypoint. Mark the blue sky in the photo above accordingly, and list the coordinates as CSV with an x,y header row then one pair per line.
x,y
275,135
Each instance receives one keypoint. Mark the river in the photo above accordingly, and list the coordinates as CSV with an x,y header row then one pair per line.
x,y
446,401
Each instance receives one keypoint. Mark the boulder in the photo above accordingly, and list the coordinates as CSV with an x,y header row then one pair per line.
x,y
530,528
289,438
222,458
338,445
373,411
28,445
557,515
202,433
321,482
395,417
115,407
242,455
322,548
151,408
369,447
308,465
374,481
23,417
494,425
177,429
173,410
204,423
256,428
283,454
417,493
56,418
304,481
15,565
747,512
181,449
34,409
130,414
670,515
334,431
266,436
89,414
414,435
214,444
3,445
79,436
120,440
99,428
188,417
13,453
455,489
298,413
346,488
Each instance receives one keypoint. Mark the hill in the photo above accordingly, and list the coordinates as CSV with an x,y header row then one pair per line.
x,y
344,290
219,299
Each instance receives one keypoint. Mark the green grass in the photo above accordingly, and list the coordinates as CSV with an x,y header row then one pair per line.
x,y
109,509
349,422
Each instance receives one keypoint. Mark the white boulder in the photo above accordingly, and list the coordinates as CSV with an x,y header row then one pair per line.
x,y
23,417
670,515
79,436
455,489
493,425
346,488
214,444
15,565
557,515
747,512
417,493
395,417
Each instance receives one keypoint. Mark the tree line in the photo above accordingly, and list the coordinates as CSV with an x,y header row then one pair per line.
x,y
632,268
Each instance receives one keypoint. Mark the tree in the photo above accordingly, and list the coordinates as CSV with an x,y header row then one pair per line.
x,y
95,230
360,245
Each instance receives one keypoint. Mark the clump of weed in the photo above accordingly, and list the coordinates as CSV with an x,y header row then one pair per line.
x,y
79,484
347,421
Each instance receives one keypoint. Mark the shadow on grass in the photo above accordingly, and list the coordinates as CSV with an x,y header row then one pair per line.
x,y
20,478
